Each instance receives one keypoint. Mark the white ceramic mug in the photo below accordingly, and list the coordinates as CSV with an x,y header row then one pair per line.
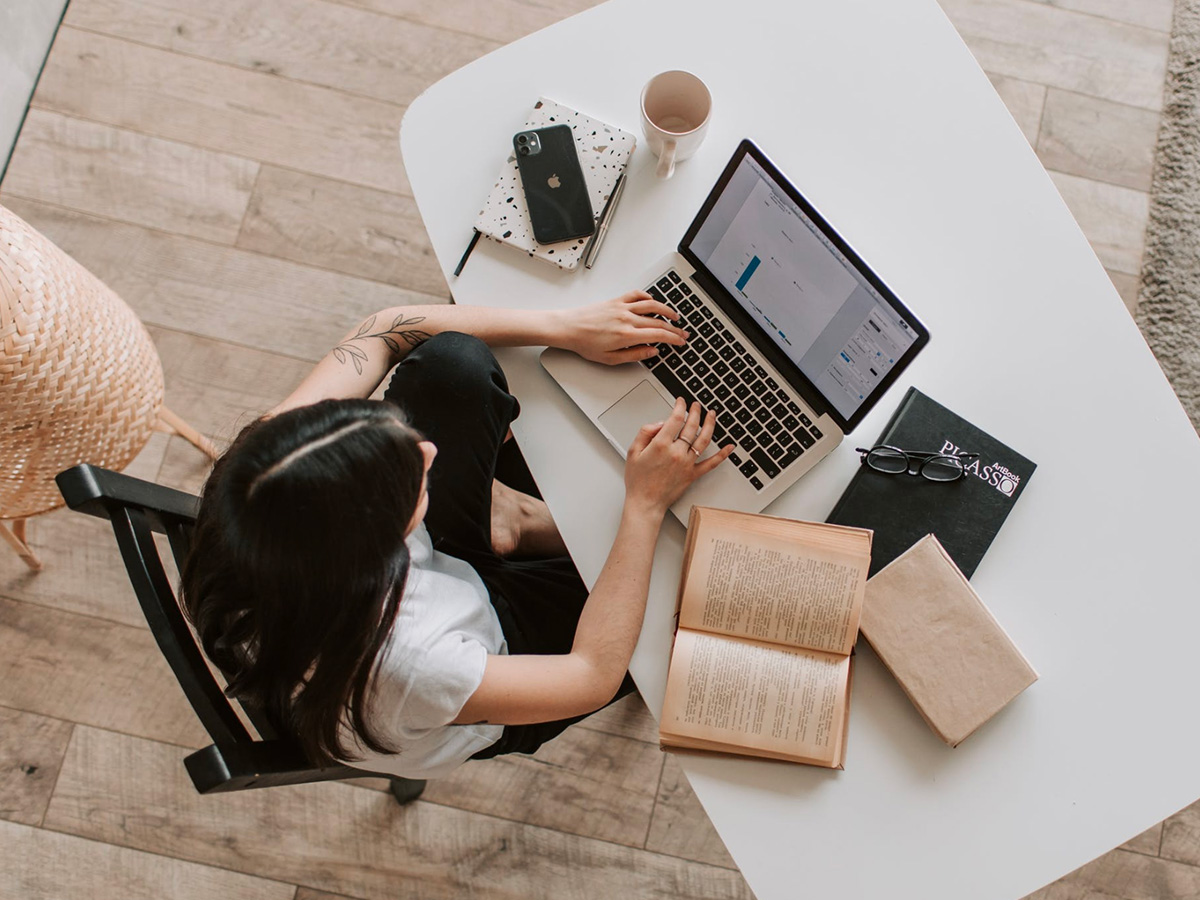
x,y
676,107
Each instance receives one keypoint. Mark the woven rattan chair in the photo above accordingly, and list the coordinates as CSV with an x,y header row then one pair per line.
x,y
80,379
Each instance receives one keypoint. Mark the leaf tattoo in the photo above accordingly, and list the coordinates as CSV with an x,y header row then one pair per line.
x,y
402,330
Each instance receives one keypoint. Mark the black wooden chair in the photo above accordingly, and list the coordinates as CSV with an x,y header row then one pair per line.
x,y
236,760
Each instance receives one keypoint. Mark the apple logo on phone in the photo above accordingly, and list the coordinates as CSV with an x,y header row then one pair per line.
x,y
553,181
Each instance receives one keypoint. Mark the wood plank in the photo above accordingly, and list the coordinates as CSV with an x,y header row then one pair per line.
x,y
313,41
1097,139
1064,49
1155,14
1181,836
42,865
498,20
339,226
83,572
224,108
217,292
1113,219
309,894
183,468
628,717
583,782
680,826
31,752
343,840
1025,101
128,176
1147,842
220,387
1124,874
92,671
1129,287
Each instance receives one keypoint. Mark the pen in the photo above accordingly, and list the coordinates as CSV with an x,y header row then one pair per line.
x,y
605,218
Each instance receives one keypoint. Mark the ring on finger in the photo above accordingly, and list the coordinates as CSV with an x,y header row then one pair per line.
x,y
694,450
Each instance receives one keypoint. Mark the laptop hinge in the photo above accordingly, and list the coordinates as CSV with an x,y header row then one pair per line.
x,y
767,348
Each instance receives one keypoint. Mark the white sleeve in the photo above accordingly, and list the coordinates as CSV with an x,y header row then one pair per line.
x,y
448,674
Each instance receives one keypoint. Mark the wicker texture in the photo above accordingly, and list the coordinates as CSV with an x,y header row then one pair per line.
x,y
80,379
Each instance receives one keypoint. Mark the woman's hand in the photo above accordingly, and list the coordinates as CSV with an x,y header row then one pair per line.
x,y
619,330
664,458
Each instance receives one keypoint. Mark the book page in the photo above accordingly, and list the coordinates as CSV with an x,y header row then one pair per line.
x,y
772,588
748,694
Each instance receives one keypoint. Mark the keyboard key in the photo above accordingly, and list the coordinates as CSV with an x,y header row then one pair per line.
x,y
758,389
791,454
720,367
651,361
706,329
674,296
701,368
771,382
705,396
698,344
673,385
758,485
780,410
674,360
674,276
685,373
764,462
816,432
744,416
741,391
736,431
695,384
752,402
760,371
762,414
739,347
748,468
722,391
726,352
684,287
711,380
791,423
735,459
733,404
773,426
805,438
737,363
794,409
806,420
718,342
664,284
748,442
776,452
726,419
754,427
710,356
690,356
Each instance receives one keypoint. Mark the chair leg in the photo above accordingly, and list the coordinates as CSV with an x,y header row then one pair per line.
x,y
175,425
406,790
15,537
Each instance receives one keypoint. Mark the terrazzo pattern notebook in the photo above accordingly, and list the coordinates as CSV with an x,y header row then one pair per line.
x,y
604,151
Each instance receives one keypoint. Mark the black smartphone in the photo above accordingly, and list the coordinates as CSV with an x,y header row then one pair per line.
x,y
555,189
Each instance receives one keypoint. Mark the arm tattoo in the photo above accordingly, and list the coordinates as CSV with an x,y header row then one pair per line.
x,y
401,330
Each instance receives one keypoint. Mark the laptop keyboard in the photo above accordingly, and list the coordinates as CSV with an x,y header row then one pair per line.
x,y
753,410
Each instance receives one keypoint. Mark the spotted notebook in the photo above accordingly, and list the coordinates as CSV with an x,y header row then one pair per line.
x,y
604,152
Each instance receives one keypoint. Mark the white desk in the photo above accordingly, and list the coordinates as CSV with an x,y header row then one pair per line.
x,y
882,118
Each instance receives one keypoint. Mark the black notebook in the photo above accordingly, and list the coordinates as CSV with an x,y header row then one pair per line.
x,y
964,514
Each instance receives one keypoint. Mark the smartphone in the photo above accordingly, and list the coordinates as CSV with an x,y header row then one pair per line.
x,y
555,190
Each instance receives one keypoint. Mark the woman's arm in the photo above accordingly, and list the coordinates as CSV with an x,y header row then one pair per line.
x,y
615,331
522,689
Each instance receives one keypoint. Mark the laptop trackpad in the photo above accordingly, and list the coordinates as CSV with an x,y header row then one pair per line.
x,y
639,407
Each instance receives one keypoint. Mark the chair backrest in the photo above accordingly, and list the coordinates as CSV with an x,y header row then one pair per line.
x,y
137,509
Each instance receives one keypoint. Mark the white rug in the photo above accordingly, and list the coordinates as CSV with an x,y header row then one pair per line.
x,y
1169,306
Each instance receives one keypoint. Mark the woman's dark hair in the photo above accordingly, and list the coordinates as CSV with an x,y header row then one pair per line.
x,y
298,562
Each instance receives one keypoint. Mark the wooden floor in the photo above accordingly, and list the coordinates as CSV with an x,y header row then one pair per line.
x,y
231,168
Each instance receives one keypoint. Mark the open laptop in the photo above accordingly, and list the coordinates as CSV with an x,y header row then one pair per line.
x,y
793,340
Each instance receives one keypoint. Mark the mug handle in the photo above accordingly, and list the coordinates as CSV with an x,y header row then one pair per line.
x,y
666,160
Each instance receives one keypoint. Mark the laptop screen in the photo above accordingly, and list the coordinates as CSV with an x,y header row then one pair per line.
x,y
806,290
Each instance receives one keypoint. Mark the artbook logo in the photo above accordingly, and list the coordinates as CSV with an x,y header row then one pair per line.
x,y
998,476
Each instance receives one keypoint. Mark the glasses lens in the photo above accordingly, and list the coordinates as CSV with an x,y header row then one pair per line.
x,y
885,459
943,468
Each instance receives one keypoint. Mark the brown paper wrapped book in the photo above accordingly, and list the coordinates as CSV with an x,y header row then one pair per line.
x,y
768,615
931,630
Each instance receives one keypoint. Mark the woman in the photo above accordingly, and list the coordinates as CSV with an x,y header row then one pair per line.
x,y
405,614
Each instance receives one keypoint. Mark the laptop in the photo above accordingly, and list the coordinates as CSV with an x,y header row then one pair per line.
x,y
793,339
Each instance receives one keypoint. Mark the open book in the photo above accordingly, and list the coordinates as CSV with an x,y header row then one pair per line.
x,y
768,614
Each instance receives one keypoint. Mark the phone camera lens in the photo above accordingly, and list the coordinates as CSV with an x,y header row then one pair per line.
x,y
524,151
523,139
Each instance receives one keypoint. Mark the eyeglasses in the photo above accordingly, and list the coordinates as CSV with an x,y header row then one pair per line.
x,y
934,466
